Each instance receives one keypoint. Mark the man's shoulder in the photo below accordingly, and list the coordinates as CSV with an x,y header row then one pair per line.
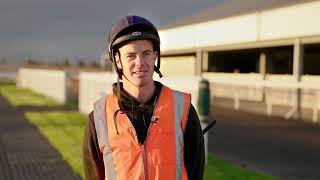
x,y
102,99
178,91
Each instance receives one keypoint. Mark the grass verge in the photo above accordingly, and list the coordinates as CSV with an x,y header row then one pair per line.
x,y
25,97
64,130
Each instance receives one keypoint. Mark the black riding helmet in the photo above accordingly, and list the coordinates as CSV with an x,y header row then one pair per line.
x,y
132,28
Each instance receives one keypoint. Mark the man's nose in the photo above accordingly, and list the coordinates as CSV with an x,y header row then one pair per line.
x,y
140,60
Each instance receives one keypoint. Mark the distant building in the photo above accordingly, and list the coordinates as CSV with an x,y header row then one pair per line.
x,y
272,44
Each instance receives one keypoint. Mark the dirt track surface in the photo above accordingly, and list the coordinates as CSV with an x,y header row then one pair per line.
x,y
289,149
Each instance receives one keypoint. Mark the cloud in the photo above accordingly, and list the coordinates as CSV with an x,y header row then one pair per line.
x,y
74,28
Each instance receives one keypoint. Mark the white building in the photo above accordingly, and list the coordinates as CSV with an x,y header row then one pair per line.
x,y
266,51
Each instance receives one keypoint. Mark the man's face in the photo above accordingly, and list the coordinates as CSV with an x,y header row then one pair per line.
x,y
137,62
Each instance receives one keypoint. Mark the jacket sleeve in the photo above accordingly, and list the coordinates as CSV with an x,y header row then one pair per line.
x,y
194,153
92,157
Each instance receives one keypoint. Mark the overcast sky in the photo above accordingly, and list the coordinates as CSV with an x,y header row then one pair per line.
x,y
76,29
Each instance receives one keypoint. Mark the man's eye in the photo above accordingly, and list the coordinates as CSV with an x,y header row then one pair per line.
x,y
147,53
130,56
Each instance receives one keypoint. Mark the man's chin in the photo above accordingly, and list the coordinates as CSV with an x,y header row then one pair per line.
x,y
140,83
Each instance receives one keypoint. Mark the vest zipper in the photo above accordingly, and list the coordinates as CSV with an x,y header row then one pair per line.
x,y
145,163
144,149
144,145
145,142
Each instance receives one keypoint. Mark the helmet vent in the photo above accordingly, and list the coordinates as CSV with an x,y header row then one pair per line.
x,y
136,33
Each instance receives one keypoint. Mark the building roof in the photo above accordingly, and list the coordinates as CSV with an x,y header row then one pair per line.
x,y
228,8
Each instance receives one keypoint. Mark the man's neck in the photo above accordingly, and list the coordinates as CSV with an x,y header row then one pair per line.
x,y
140,94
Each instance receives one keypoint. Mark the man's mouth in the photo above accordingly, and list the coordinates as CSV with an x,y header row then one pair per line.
x,y
140,72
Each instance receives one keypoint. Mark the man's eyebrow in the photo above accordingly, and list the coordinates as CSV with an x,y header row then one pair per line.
x,y
130,53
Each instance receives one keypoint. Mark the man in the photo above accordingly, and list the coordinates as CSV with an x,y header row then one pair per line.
x,y
144,130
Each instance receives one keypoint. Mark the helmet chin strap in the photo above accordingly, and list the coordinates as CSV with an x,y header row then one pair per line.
x,y
113,59
157,68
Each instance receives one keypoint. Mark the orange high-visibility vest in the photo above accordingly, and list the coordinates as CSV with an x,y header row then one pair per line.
x,y
161,155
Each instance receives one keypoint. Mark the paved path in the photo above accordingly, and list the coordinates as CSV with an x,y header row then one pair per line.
x,y
288,149
24,152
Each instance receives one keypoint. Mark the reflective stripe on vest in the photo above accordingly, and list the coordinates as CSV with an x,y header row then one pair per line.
x,y
161,156
181,105
102,135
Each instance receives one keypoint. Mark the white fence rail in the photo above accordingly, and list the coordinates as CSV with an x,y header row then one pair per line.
x,y
273,91
51,83
7,76
92,86
189,84
297,95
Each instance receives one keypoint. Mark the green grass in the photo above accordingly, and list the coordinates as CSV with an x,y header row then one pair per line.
x,y
64,130
223,170
72,104
7,83
25,97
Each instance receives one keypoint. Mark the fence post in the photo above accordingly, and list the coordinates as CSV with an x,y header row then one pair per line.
x,y
204,109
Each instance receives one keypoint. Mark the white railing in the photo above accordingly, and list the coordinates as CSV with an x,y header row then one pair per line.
x,y
51,83
92,86
274,90
189,84
8,76
294,94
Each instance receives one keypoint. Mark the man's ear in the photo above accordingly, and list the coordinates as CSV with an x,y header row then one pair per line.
x,y
117,56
